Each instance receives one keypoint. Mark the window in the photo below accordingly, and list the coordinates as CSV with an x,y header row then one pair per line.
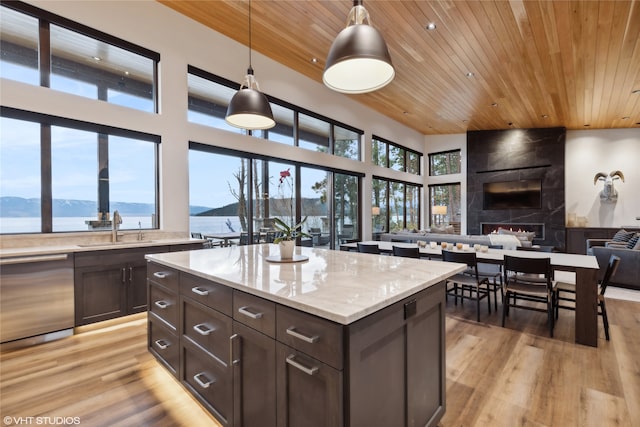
x,y
82,61
61,176
209,96
313,134
395,205
444,206
249,196
445,163
394,156
19,37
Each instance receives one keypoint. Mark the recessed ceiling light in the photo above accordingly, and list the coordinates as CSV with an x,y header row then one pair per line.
x,y
465,121
635,91
96,58
405,112
314,60
544,116
625,118
430,26
587,125
470,74
495,104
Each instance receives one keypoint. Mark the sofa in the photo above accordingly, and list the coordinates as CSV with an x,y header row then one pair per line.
x,y
506,238
628,273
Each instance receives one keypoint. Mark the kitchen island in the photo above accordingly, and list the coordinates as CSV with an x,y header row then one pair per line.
x,y
337,339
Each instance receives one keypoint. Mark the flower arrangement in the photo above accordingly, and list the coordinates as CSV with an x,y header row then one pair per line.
x,y
289,231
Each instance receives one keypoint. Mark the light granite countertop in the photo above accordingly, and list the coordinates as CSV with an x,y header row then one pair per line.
x,y
336,285
35,251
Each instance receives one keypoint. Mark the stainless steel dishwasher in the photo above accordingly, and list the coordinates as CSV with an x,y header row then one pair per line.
x,y
36,298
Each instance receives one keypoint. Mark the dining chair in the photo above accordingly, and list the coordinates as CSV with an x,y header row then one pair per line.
x,y
529,279
368,248
407,252
469,280
567,292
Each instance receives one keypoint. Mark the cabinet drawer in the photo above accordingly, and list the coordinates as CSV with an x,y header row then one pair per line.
x,y
208,328
164,344
210,382
163,275
319,338
255,312
164,304
206,292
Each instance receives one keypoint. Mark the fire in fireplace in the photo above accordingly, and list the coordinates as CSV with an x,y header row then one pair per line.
x,y
492,227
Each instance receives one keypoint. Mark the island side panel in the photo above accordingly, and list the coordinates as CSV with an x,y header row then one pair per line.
x,y
396,363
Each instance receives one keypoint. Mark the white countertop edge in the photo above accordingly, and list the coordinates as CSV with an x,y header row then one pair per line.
x,y
92,247
344,320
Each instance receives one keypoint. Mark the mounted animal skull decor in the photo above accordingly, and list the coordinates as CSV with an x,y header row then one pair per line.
x,y
608,193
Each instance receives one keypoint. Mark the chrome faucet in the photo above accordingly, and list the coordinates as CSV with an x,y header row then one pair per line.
x,y
117,220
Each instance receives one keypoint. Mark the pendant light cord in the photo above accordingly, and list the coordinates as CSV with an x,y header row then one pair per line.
x,y
250,71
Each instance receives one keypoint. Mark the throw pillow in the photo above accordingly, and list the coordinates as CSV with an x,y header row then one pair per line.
x,y
633,241
622,236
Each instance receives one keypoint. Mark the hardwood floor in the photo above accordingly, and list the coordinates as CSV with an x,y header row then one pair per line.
x,y
495,376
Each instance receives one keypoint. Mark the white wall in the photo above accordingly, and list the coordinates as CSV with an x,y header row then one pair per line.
x,y
587,152
591,151
182,42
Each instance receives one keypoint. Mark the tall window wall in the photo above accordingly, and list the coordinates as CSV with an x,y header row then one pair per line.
x,y
209,96
62,175
395,205
249,193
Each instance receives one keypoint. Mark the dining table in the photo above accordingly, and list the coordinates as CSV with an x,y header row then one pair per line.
x,y
585,267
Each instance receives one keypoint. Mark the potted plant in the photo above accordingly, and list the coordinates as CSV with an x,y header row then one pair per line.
x,y
288,232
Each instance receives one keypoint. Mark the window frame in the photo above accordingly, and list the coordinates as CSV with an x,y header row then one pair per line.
x,y
46,121
405,150
447,152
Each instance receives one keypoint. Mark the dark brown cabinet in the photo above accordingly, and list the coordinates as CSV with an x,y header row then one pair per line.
x,y
113,282
254,362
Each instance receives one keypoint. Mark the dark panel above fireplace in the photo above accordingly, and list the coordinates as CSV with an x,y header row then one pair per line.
x,y
518,155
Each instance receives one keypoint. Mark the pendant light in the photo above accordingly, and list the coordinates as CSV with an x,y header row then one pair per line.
x,y
359,60
249,108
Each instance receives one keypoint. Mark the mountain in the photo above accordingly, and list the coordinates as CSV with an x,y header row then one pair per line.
x,y
312,207
18,207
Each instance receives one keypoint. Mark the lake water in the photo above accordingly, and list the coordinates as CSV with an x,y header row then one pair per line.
x,y
200,224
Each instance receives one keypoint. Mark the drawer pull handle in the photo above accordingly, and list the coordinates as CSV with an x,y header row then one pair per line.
x,y
243,310
204,384
203,329
292,331
309,371
200,291
160,274
232,361
161,304
162,344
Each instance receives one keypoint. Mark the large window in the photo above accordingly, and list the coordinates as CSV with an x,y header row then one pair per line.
x,y
209,96
393,156
395,205
249,194
444,163
445,207
81,60
61,176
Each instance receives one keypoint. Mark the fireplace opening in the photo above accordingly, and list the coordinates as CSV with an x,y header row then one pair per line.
x,y
492,227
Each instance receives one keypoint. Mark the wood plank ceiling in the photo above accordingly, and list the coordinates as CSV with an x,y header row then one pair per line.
x,y
533,64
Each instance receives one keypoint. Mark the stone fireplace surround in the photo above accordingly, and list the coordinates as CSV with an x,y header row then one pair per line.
x,y
518,154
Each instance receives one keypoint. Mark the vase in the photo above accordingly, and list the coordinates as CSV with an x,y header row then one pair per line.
x,y
286,249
